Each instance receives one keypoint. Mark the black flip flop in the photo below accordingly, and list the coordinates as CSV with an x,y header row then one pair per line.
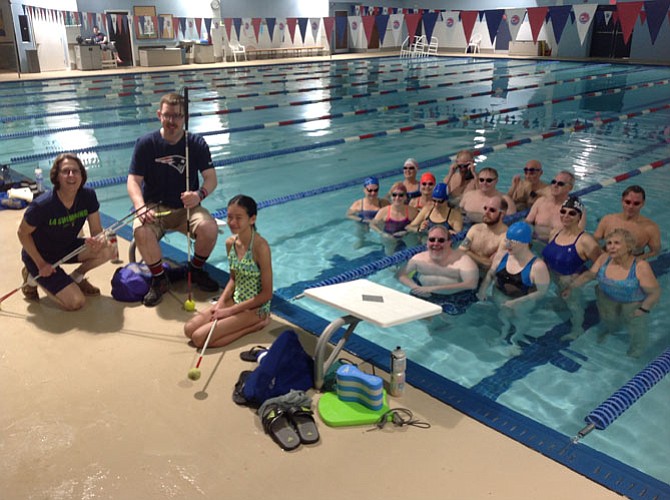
x,y
303,420
252,354
238,391
277,424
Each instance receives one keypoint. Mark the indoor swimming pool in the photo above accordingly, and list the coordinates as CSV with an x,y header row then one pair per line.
x,y
300,139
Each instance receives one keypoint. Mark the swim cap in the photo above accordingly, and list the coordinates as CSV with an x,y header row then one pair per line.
x,y
520,231
428,177
573,202
412,162
440,191
370,180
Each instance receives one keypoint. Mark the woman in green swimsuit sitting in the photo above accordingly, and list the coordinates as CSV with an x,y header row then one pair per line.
x,y
244,305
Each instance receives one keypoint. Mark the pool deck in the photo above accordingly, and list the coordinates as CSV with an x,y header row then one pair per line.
x,y
96,404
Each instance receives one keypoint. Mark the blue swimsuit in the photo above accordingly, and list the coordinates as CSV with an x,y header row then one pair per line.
x,y
563,259
626,290
514,285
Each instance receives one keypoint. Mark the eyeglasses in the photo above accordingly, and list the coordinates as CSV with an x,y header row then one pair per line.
x,y
424,184
488,180
571,213
409,168
464,165
558,183
70,171
490,209
433,239
634,203
531,170
372,190
397,195
171,117
438,201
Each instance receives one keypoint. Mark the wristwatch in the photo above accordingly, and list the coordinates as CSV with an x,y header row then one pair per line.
x,y
214,4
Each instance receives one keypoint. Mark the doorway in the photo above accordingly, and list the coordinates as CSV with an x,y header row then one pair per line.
x,y
120,35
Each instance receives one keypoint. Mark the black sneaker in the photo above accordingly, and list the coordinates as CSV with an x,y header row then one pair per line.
x,y
159,286
203,280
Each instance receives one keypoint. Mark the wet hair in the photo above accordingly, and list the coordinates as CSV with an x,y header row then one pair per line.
x,y
626,236
441,228
634,189
172,99
489,169
398,186
466,152
247,203
55,169
570,175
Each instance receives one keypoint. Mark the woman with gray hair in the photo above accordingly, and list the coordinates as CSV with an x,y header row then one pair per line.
x,y
627,290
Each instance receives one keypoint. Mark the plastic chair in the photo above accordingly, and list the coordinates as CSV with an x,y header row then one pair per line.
x,y
236,49
475,42
432,46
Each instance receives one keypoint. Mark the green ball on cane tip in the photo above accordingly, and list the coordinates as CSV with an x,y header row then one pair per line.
x,y
194,373
189,305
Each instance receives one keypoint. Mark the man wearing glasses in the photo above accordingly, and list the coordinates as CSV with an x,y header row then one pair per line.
x,y
545,214
442,275
472,202
526,192
158,171
645,231
461,176
485,239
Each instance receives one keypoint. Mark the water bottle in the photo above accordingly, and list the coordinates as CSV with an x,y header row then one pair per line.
x,y
39,180
398,366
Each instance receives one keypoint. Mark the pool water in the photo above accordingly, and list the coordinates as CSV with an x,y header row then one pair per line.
x,y
304,135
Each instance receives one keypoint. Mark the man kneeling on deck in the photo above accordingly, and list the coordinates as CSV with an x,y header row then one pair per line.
x,y
442,275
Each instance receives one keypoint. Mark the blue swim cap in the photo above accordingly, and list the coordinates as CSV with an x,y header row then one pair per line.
x,y
370,180
521,232
440,191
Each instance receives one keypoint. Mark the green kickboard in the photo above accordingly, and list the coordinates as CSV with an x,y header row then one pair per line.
x,y
337,413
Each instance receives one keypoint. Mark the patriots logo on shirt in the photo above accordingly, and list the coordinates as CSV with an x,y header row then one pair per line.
x,y
175,161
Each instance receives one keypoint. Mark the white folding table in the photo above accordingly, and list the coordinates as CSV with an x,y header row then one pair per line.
x,y
364,301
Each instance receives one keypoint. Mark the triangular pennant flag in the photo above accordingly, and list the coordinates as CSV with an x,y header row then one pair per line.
x,y
182,28
584,16
643,17
290,23
228,25
656,12
382,22
608,16
198,28
368,25
536,17
271,21
247,29
328,23
515,19
429,20
396,27
450,18
493,19
412,21
237,22
315,24
355,30
208,29
628,13
468,20
256,23
302,25
559,17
